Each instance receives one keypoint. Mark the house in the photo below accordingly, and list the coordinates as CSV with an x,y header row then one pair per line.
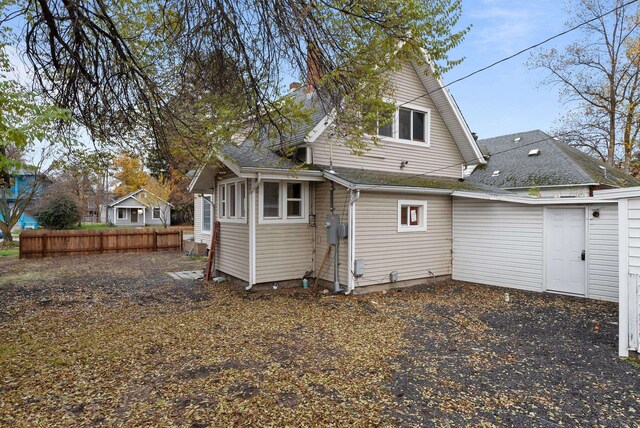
x,y
400,214
139,208
22,187
535,163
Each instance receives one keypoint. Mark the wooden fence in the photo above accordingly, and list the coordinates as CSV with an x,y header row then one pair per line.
x,y
56,243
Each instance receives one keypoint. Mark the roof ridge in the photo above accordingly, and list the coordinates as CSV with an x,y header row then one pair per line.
x,y
584,173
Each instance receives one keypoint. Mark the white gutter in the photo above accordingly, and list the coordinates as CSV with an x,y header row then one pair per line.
x,y
551,186
629,192
623,278
252,233
531,201
355,195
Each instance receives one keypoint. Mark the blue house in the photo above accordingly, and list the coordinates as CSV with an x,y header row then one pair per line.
x,y
23,180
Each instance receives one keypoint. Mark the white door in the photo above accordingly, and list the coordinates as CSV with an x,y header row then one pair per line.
x,y
565,252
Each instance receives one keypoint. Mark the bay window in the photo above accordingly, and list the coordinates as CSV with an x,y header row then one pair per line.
x,y
232,201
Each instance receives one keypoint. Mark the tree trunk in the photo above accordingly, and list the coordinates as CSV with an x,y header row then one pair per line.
x,y
6,233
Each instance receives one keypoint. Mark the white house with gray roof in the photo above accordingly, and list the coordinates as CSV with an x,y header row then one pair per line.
x,y
400,214
535,163
138,209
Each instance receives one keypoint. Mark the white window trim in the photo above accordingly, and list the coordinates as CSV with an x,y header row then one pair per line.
x,y
239,202
153,213
282,201
396,128
422,227
126,213
206,201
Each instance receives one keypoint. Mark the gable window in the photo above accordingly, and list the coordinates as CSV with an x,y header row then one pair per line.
x,y
412,216
206,213
409,124
155,214
122,213
284,202
232,197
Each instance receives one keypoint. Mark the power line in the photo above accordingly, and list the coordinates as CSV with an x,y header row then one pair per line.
x,y
520,52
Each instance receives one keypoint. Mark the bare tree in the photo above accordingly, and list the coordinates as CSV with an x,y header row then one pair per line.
x,y
598,74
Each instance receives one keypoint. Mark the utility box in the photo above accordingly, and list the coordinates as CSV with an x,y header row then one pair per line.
x,y
358,268
333,229
344,231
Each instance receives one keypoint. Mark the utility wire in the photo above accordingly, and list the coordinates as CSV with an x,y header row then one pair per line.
x,y
520,52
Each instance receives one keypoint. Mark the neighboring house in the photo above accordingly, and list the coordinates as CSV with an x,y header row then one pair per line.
x,y
536,164
398,215
23,181
139,208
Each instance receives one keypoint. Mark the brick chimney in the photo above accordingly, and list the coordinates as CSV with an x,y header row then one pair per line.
x,y
314,67
293,86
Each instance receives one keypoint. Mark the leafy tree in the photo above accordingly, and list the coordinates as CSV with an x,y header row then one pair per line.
x,y
120,66
59,212
130,174
25,123
599,74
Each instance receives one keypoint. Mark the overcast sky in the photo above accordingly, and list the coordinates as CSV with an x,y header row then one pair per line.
x,y
507,98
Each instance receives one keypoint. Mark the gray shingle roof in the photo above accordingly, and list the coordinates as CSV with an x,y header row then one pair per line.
x,y
369,177
557,164
249,155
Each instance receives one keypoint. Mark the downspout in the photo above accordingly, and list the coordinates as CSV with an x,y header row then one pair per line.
x,y
252,233
355,195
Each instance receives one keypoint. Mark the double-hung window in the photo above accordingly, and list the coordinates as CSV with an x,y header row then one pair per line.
x,y
232,201
155,213
412,216
122,213
409,124
284,202
206,220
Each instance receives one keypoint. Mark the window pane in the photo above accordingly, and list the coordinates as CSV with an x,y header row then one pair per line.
x,y
294,209
243,199
222,198
271,199
418,126
403,216
414,220
206,214
404,124
156,213
232,200
294,190
386,130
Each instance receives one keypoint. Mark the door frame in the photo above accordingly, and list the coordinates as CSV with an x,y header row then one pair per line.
x,y
137,215
545,238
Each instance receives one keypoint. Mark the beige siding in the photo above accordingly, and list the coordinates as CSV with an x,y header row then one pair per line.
x,y
411,254
602,265
283,251
341,204
498,243
634,236
442,158
233,250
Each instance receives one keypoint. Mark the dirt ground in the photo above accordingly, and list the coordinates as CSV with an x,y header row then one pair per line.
x,y
113,340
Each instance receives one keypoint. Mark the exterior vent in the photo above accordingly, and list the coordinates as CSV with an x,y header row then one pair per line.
x,y
515,140
495,173
534,152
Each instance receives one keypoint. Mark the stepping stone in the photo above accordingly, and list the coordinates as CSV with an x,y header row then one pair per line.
x,y
189,274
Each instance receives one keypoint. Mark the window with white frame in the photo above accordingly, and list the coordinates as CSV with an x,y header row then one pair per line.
x,y
206,214
412,216
284,201
409,124
155,213
122,213
232,201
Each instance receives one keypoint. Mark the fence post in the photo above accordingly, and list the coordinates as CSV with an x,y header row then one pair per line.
x,y
44,244
101,247
20,246
155,240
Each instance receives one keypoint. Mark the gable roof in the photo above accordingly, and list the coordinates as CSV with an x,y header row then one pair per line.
x,y
133,196
557,164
